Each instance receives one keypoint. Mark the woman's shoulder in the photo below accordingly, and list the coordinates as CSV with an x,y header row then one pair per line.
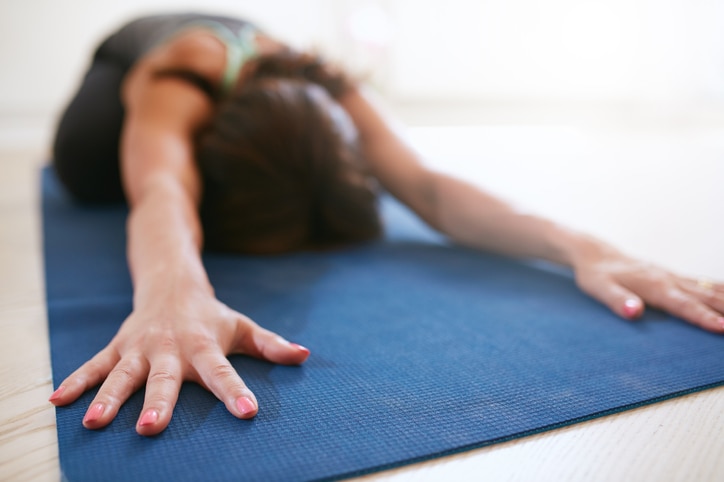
x,y
191,42
193,57
203,52
194,50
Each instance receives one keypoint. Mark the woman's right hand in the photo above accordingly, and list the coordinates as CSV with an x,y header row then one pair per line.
x,y
178,330
166,344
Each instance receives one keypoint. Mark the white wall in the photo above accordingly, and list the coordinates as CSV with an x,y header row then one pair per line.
x,y
656,51
625,50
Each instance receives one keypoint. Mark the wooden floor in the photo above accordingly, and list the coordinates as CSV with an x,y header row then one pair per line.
x,y
657,193
28,444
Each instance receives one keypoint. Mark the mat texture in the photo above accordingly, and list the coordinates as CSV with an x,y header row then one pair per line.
x,y
418,350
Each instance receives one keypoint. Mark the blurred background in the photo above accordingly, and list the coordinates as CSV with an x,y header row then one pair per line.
x,y
607,115
435,62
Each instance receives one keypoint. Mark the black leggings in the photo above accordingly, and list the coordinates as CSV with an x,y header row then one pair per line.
x,y
85,150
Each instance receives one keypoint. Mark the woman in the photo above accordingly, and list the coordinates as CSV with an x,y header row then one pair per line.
x,y
229,139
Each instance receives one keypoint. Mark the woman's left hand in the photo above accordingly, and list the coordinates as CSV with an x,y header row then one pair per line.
x,y
626,285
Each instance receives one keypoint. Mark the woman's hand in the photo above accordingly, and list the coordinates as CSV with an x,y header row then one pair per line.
x,y
163,345
626,285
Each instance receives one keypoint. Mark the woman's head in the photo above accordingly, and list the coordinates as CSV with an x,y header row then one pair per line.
x,y
282,170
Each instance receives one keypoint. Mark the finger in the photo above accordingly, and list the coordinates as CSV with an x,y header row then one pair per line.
x,y
620,300
127,376
706,285
216,373
90,374
686,306
706,293
162,389
258,342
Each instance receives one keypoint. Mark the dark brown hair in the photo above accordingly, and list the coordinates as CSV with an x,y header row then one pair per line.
x,y
280,163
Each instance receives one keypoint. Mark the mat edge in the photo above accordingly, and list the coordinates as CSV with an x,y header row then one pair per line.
x,y
527,433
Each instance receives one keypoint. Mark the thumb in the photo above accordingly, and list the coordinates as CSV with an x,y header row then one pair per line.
x,y
266,345
620,300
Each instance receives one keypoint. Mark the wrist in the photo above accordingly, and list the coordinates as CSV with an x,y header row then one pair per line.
x,y
175,280
571,248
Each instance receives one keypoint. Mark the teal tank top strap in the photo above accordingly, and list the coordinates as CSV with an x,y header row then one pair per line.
x,y
240,47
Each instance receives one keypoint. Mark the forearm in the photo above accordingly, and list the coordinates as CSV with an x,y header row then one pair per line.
x,y
164,243
463,212
477,219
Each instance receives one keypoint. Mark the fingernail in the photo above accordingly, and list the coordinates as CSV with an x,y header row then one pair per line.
x,y
301,348
94,413
245,406
721,321
56,394
149,418
631,308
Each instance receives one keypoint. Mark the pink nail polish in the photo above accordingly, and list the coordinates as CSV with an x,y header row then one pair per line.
x,y
149,418
94,413
245,406
57,394
301,348
631,308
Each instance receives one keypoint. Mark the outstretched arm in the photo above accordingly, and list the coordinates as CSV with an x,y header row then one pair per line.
x,y
472,217
178,330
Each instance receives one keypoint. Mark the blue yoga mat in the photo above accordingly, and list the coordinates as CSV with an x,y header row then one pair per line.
x,y
419,349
